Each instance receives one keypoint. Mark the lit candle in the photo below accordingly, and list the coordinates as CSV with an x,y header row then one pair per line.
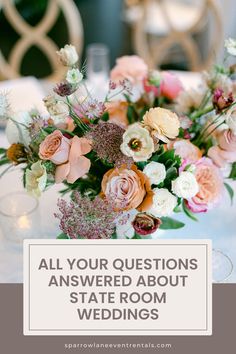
x,y
23,222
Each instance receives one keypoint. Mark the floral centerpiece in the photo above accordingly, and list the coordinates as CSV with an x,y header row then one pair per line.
x,y
149,150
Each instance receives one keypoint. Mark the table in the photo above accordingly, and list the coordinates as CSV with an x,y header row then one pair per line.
x,y
218,224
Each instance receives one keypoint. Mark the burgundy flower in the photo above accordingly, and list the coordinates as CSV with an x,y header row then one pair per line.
x,y
220,101
64,89
145,224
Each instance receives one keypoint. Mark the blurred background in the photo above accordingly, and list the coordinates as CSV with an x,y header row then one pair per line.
x,y
169,34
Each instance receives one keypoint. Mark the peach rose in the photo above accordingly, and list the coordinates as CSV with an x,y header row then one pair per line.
x,y
211,185
77,165
67,125
130,188
163,123
129,67
225,152
186,150
55,147
118,112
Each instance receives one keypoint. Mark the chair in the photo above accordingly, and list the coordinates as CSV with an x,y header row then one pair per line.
x,y
160,25
37,36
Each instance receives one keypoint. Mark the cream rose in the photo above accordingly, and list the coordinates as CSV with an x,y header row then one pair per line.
x,y
137,143
185,186
163,123
129,188
155,171
55,147
68,55
58,110
164,202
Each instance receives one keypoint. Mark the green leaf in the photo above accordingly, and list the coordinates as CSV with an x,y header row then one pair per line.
x,y
2,151
230,191
167,155
4,160
131,115
188,212
62,236
171,173
136,237
233,172
105,117
141,165
114,236
169,223
177,209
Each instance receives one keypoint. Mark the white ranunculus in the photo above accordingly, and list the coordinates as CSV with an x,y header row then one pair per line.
x,y
68,55
164,202
137,143
230,45
36,179
74,76
231,121
17,129
155,171
185,186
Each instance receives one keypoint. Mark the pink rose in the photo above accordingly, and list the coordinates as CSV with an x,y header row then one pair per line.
x,y
225,152
227,140
162,84
170,85
211,186
55,147
77,165
186,150
221,157
128,67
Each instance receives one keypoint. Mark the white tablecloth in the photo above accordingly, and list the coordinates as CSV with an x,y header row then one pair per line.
x,y
218,224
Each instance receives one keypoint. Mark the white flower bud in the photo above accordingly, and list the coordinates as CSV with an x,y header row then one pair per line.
x,y
68,55
230,45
